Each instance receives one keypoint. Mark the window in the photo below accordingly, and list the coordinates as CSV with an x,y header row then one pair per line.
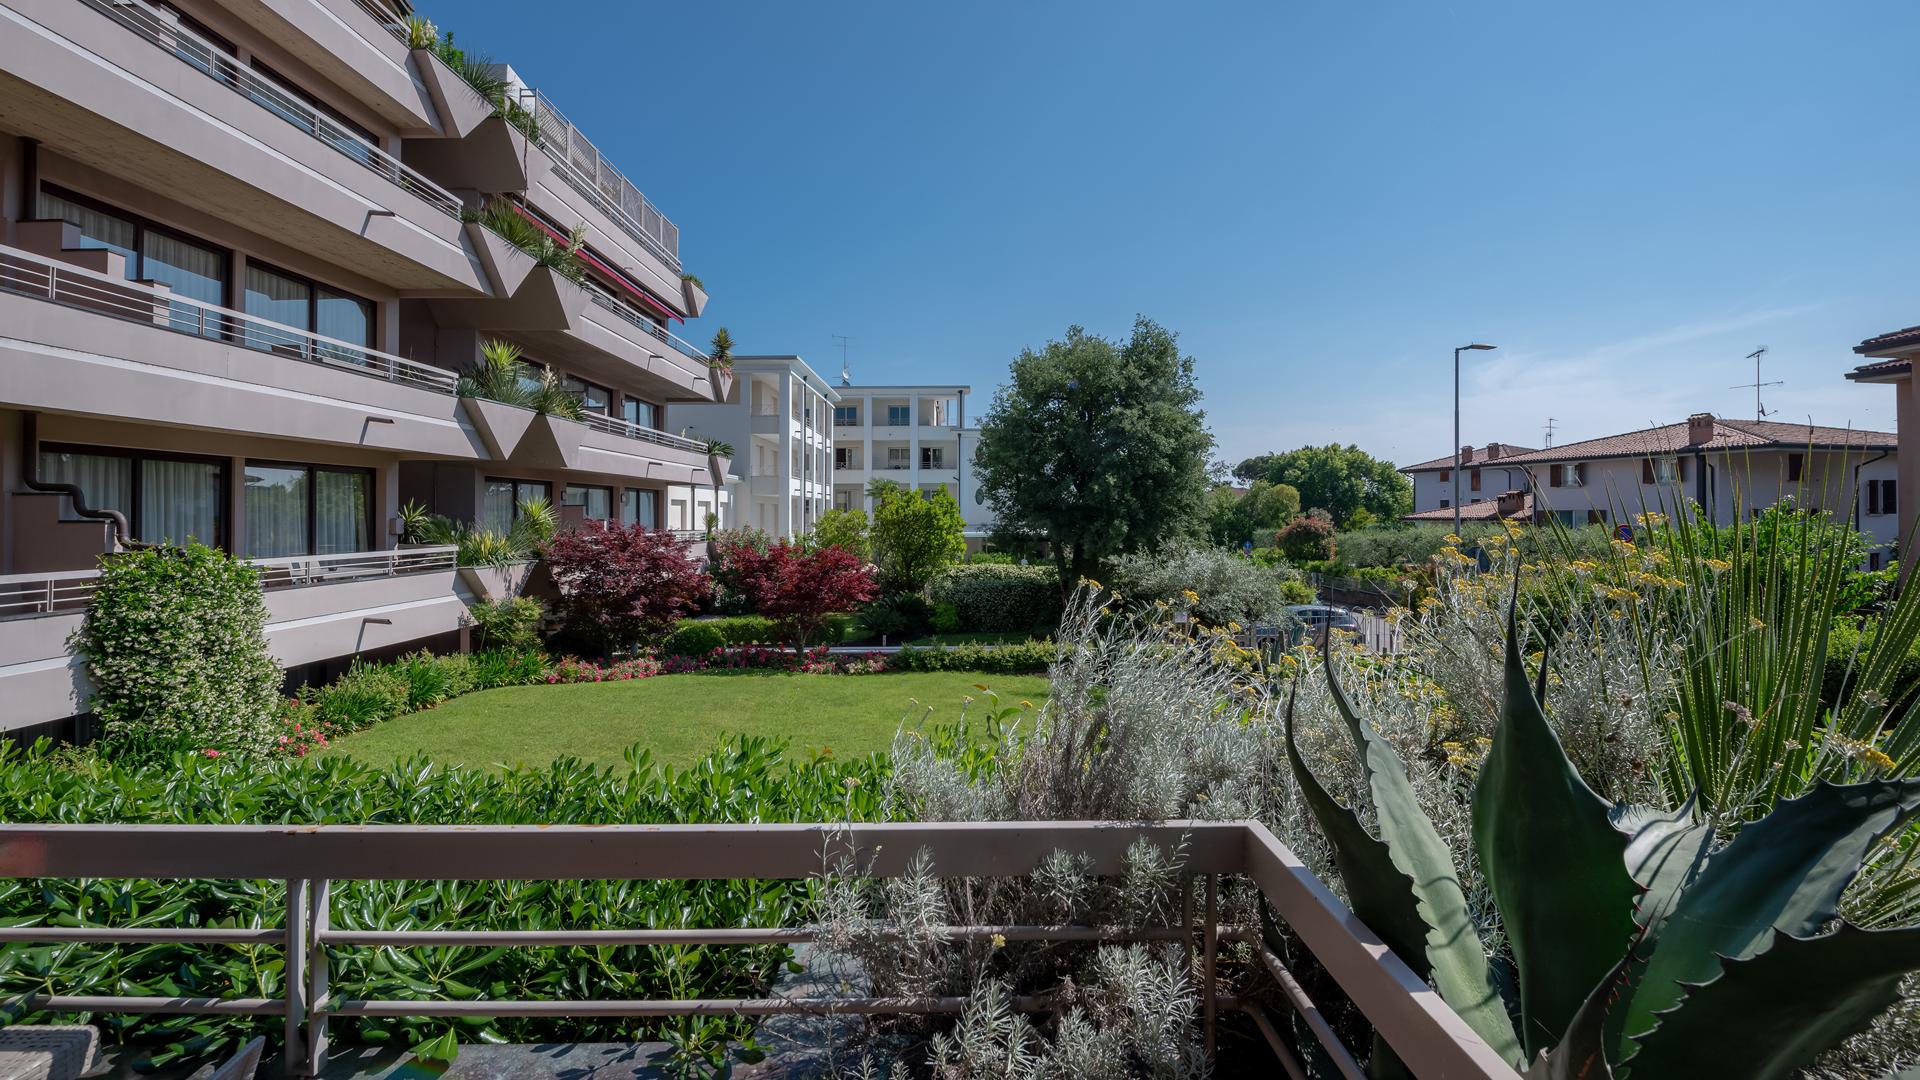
x,y
639,413
595,503
1796,466
1881,497
1664,470
1565,517
640,507
596,399
899,415
500,502
1473,480
190,268
846,457
291,300
1596,517
306,510
1873,560
846,416
166,498
1446,475
843,500
1446,504
899,457
931,457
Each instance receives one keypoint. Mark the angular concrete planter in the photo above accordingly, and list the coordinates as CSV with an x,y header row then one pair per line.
x,y
492,583
722,382
459,106
717,467
507,266
491,157
544,300
695,297
500,427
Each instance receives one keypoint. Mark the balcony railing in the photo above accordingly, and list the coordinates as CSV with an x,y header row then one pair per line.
x,y
27,274
615,305
27,595
587,171
197,52
1403,1010
619,426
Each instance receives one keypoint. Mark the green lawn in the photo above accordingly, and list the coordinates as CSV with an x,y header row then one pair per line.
x,y
680,717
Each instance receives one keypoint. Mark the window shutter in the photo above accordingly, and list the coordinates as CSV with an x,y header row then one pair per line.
x,y
1646,470
1873,496
1553,475
1889,504
1680,468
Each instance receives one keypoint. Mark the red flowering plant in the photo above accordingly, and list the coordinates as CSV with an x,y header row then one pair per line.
x,y
620,585
798,589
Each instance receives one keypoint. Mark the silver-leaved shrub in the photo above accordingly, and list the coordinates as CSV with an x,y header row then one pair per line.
x,y
176,649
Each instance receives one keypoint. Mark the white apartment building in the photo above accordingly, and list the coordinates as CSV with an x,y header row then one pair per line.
x,y
916,436
1484,474
780,425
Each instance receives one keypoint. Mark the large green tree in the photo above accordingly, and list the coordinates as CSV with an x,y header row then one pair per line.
x,y
1099,446
1342,480
915,535
1254,514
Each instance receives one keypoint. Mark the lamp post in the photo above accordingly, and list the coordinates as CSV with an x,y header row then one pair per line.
x,y
1456,427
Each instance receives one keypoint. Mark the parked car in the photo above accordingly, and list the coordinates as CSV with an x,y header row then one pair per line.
x,y
1313,620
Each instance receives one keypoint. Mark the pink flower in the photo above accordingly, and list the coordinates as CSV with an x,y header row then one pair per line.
x,y
211,752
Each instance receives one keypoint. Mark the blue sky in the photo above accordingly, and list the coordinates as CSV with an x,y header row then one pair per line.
x,y
1321,199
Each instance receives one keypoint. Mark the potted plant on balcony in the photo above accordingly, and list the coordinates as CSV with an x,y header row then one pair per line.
x,y
720,361
719,459
694,291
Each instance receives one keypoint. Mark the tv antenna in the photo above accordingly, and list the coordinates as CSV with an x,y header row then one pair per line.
x,y
846,373
1550,423
1759,410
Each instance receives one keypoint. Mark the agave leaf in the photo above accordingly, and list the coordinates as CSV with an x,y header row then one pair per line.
x,y
1767,1016
1581,1053
1785,872
1456,960
1665,853
1553,859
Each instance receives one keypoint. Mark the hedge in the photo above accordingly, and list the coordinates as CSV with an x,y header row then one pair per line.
x,y
1000,599
1025,658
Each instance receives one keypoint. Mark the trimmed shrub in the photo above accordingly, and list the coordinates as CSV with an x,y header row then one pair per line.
x,y
896,617
507,667
1023,659
366,695
993,558
513,623
695,639
996,598
433,679
175,647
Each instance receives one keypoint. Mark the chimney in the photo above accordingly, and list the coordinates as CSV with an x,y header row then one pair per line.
x,y
1494,450
1511,503
1700,429
1466,454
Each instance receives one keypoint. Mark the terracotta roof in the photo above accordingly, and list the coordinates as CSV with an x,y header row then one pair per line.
x,y
1727,435
1479,458
1484,510
1882,370
1895,339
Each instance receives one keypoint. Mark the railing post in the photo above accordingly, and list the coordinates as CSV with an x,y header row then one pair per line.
x,y
1211,942
296,975
317,964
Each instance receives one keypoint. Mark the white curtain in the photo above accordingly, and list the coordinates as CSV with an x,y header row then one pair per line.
x,y
100,230
638,507
105,481
179,501
496,506
278,299
276,503
340,512
348,318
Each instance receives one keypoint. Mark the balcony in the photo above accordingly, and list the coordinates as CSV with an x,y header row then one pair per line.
x,y
318,607
1399,1006
597,443
119,85
69,337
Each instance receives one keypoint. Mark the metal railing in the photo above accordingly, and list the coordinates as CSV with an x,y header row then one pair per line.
x,y
619,426
587,171
57,592
27,274
1401,1008
197,52
388,18
626,311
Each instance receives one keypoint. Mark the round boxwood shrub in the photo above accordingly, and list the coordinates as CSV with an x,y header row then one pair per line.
x,y
176,647
695,639
1000,599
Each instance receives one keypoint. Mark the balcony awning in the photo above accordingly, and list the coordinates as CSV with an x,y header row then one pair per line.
x,y
618,278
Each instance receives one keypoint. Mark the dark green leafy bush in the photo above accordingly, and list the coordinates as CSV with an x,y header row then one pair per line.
x,y
433,679
695,639
748,780
507,667
512,623
1021,659
1001,598
760,630
896,617
175,646
366,695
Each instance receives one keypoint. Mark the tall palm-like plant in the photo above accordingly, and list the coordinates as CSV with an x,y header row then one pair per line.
x,y
720,350
560,256
500,376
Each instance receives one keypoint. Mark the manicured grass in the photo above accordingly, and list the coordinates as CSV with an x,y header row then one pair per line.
x,y
680,717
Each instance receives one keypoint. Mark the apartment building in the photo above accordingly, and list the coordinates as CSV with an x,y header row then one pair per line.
x,y
240,270
1724,466
1484,474
1892,356
780,425
916,436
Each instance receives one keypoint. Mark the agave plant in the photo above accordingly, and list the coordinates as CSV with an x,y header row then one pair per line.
x,y
1637,948
719,448
720,350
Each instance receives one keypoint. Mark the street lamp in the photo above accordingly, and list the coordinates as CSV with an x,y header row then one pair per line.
x,y
1456,427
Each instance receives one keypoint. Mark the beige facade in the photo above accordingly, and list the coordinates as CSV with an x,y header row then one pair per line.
x,y
240,272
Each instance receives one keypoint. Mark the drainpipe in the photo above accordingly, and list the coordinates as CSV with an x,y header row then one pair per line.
x,y
30,476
